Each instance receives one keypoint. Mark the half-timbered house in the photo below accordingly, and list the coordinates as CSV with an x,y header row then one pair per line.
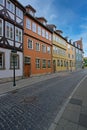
x,y
11,38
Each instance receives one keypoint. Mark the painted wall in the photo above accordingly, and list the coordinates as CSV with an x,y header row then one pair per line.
x,y
7,72
32,53
59,53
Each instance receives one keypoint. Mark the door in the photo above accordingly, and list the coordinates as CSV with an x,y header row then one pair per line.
x,y
27,70
54,66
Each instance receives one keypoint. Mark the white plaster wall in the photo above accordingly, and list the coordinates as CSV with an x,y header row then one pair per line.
x,y
7,72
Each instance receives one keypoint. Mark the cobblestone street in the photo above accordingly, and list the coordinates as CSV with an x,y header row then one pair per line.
x,y
36,106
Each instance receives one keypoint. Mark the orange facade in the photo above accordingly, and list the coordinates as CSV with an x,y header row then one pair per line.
x,y
37,47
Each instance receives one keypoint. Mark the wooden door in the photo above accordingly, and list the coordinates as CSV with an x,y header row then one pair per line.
x,y
27,70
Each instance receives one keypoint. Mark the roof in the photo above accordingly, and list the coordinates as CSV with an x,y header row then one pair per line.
x,y
42,18
29,6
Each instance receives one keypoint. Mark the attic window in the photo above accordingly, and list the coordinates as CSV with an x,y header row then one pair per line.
x,y
31,12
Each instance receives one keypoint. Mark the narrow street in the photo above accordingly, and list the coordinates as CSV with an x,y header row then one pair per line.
x,y
34,107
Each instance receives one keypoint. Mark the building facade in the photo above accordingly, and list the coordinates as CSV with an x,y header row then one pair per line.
x,y
79,54
11,38
37,44
70,56
58,50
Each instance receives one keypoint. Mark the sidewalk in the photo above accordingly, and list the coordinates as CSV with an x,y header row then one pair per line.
x,y
8,86
74,116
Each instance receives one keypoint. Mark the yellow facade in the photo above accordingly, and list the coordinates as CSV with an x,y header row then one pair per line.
x,y
70,51
59,53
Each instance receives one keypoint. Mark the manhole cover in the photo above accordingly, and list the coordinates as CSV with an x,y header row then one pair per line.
x,y
29,99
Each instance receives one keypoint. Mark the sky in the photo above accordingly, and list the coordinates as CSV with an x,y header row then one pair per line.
x,y
70,16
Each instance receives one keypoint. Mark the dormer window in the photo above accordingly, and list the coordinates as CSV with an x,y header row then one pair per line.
x,y
75,44
79,46
44,22
54,29
30,10
31,13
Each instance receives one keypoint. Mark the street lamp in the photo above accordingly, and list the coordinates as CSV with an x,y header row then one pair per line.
x,y
14,52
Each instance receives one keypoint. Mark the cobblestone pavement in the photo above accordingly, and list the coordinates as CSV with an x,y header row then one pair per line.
x,y
35,107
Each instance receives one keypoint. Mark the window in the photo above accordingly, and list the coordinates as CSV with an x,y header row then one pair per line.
x,y
19,13
14,60
9,31
46,35
44,63
58,62
43,33
48,49
28,24
37,63
1,60
31,12
69,47
68,55
37,47
30,44
72,56
27,60
10,6
61,63
39,30
44,48
33,27
49,64
54,37
65,63
1,27
50,37
18,34
2,2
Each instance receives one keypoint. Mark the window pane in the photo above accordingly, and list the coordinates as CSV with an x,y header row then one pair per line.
x,y
37,47
39,30
44,48
19,13
28,24
10,6
1,27
44,63
9,31
14,60
1,60
34,27
2,2
30,44
18,37
27,60
37,63
49,50
43,33
49,63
